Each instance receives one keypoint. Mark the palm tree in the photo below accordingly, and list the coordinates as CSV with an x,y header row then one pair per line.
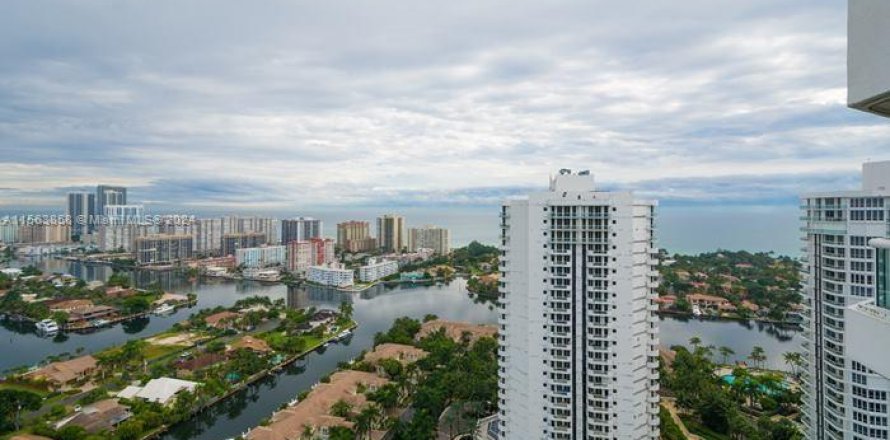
x,y
726,352
308,432
695,341
757,356
794,360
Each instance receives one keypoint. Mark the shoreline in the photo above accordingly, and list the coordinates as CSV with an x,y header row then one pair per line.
x,y
163,429
728,318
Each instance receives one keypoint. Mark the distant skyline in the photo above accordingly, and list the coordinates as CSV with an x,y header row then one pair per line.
x,y
291,107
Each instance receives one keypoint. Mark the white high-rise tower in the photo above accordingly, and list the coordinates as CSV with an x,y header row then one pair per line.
x,y
578,330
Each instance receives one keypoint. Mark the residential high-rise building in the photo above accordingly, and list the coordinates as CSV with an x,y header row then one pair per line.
x,y
391,233
232,242
163,249
313,252
9,229
270,227
355,236
123,214
81,206
109,195
846,380
841,269
578,330
300,229
122,237
48,233
430,237
207,236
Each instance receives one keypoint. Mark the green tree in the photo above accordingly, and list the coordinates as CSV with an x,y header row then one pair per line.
x,y
757,356
725,353
13,402
129,430
71,432
341,408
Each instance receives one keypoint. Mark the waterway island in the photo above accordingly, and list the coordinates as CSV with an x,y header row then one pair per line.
x,y
141,388
61,302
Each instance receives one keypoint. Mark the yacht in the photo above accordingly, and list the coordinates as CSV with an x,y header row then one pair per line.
x,y
696,311
164,309
343,335
47,326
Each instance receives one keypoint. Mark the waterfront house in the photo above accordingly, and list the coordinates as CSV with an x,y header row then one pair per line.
x,y
185,367
103,415
666,301
255,345
162,390
404,354
80,317
710,302
222,320
67,305
60,375
119,292
314,412
456,330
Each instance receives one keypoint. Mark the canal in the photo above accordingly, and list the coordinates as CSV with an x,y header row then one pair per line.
x,y
375,309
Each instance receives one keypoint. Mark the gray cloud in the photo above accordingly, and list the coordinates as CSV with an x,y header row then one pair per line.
x,y
286,105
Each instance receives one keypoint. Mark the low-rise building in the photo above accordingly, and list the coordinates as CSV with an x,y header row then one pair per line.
x,y
332,274
222,320
259,257
314,412
162,390
103,415
710,302
377,269
457,330
404,354
62,374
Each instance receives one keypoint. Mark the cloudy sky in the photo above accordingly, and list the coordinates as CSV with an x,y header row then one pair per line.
x,y
289,104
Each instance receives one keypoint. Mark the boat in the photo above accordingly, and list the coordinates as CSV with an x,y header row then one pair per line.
x,y
164,309
100,322
696,311
47,326
343,335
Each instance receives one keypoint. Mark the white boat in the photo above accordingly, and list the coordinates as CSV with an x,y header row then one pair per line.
x,y
696,311
47,326
100,322
343,335
164,309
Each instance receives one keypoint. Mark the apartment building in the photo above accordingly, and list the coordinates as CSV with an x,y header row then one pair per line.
x,y
81,206
355,236
232,242
260,257
109,195
430,237
300,229
163,249
332,274
377,269
391,233
578,332
314,252
847,379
